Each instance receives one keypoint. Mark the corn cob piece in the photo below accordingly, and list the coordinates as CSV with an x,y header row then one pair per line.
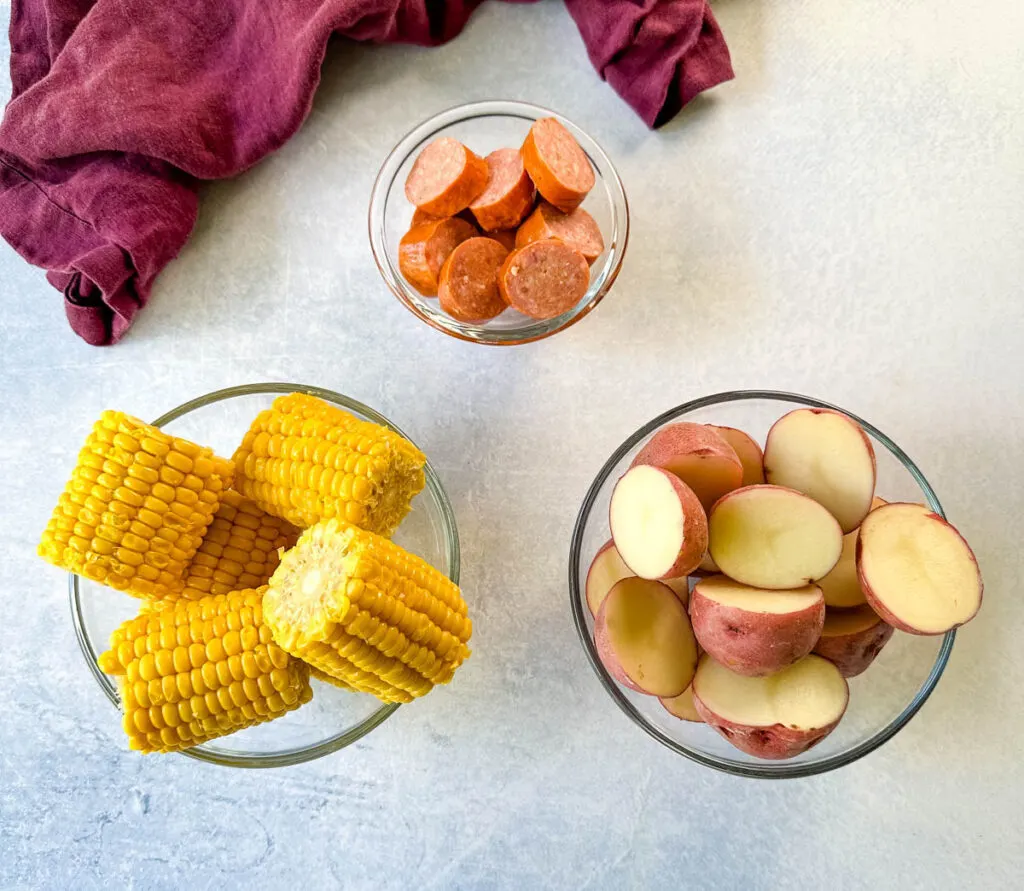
x,y
305,461
197,670
240,549
136,508
358,608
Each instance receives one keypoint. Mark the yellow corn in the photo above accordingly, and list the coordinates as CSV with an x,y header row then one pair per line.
x,y
136,507
240,549
197,670
358,608
305,461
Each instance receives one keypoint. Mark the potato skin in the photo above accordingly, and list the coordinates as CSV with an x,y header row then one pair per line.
x,y
852,653
774,743
751,643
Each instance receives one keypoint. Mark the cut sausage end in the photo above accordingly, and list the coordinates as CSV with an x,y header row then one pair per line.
x,y
424,249
509,194
445,178
544,279
578,229
557,165
468,287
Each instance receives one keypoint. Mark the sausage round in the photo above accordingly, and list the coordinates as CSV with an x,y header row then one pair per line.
x,y
578,229
419,218
424,248
468,289
506,237
544,279
445,178
509,193
557,165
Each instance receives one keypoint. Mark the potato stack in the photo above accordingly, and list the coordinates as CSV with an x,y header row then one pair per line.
x,y
241,606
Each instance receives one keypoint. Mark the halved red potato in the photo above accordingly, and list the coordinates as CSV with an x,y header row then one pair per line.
x,y
608,567
827,456
682,706
851,638
644,639
754,631
698,456
772,537
657,524
747,450
773,717
917,572
841,586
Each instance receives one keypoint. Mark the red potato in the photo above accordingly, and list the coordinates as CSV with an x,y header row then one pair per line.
x,y
608,567
468,284
578,229
828,457
707,567
851,638
544,279
445,178
508,196
643,637
698,456
774,717
657,524
747,450
917,572
682,706
841,586
424,249
772,537
557,165
753,631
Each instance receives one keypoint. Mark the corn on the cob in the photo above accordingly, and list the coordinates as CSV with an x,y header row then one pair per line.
x,y
135,510
197,670
305,461
240,549
358,608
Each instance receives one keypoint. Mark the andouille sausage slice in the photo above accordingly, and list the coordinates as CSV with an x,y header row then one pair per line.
x,y
508,196
424,248
578,229
445,178
507,237
544,279
559,168
419,217
468,289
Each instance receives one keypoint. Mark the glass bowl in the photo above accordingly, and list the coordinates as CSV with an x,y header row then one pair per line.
x,y
335,718
882,700
484,127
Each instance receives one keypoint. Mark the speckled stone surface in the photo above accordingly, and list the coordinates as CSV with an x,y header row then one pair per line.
x,y
843,220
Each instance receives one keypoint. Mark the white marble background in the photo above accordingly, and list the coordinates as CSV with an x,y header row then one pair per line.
x,y
843,220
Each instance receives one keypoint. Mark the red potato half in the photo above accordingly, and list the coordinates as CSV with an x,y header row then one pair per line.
x,y
747,450
772,537
828,457
841,586
753,631
851,638
607,568
917,572
774,717
682,706
698,456
644,639
657,524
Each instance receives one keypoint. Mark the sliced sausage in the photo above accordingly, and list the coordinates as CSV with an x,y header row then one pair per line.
x,y
424,248
544,279
506,237
578,229
508,196
445,178
419,217
468,289
559,168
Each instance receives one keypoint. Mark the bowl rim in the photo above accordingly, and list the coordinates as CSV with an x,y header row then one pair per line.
x,y
298,754
767,769
457,114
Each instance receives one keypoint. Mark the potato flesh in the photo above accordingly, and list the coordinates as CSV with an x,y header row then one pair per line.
x,y
727,592
647,521
709,476
841,586
919,568
827,457
770,537
747,450
606,570
809,694
682,706
839,622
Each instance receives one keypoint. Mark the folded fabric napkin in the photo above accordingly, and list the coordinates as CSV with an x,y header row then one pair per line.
x,y
120,106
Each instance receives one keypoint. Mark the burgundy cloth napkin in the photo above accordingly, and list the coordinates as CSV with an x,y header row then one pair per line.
x,y
120,106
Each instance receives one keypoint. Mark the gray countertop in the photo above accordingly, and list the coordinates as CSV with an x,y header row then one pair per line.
x,y
843,220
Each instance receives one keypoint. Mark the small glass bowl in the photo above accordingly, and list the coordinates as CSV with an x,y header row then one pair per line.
x,y
484,127
882,700
335,718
